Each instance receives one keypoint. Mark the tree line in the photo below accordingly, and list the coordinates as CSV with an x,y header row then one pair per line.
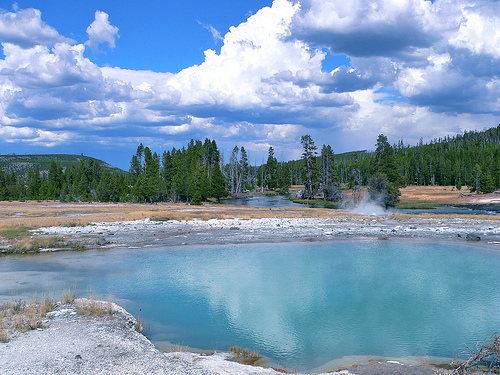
x,y
198,172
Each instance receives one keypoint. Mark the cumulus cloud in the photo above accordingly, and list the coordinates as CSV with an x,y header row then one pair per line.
x,y
33,136
479,29
101,31
416,69
366,27
26,29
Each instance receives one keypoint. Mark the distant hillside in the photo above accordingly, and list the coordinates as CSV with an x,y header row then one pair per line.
x,y
348,157
20,164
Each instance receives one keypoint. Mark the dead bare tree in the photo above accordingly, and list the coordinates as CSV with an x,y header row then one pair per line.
x,y
487,351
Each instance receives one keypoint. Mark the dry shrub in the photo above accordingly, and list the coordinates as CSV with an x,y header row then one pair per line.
x,y
246,353
254,355
47,305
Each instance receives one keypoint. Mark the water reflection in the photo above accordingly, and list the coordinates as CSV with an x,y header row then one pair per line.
x,y
300,304
261,200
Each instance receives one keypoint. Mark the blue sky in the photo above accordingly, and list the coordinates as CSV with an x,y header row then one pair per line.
x,y
163,36
100,77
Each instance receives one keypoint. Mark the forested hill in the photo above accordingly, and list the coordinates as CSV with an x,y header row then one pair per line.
x,y
199,172
471,159
21,164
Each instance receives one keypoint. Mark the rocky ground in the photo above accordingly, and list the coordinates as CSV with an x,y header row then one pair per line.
x,y
174,232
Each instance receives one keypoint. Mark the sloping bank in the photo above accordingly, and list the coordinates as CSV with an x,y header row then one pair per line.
x,y
71,343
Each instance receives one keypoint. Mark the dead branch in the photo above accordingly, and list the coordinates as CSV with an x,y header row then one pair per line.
x,y
486,350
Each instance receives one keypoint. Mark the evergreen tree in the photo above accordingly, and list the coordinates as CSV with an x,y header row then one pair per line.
x,y
383,191
244,169
309,154
3,187
55,180
271,177
354,179
327,171
385,160
35,184
218,184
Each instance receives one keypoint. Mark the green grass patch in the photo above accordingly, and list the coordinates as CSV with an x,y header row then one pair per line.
x,y
419,205
15,232
316,203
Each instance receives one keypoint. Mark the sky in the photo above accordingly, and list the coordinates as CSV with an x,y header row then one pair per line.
x,y
100,77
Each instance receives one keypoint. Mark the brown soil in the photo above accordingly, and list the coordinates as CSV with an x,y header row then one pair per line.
x,y
447,195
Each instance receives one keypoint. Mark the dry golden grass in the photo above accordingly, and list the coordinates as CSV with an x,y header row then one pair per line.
x,y
68,296
93,307
22,316
434,194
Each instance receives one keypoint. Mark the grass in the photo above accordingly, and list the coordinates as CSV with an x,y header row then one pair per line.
x,y
15,232
176,348
35,243
68,296
17,218
92,307
21,316
316,202
419,205
244,355
139,323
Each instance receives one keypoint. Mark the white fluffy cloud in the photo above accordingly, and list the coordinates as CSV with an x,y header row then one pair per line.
x,y
26,29
101,31
416,69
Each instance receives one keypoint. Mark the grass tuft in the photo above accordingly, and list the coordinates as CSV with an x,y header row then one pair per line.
x,y
68,296
139,323
176,348
244,355
21,316
93,307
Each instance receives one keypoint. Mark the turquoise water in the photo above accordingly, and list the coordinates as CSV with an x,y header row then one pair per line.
x,y
300,304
